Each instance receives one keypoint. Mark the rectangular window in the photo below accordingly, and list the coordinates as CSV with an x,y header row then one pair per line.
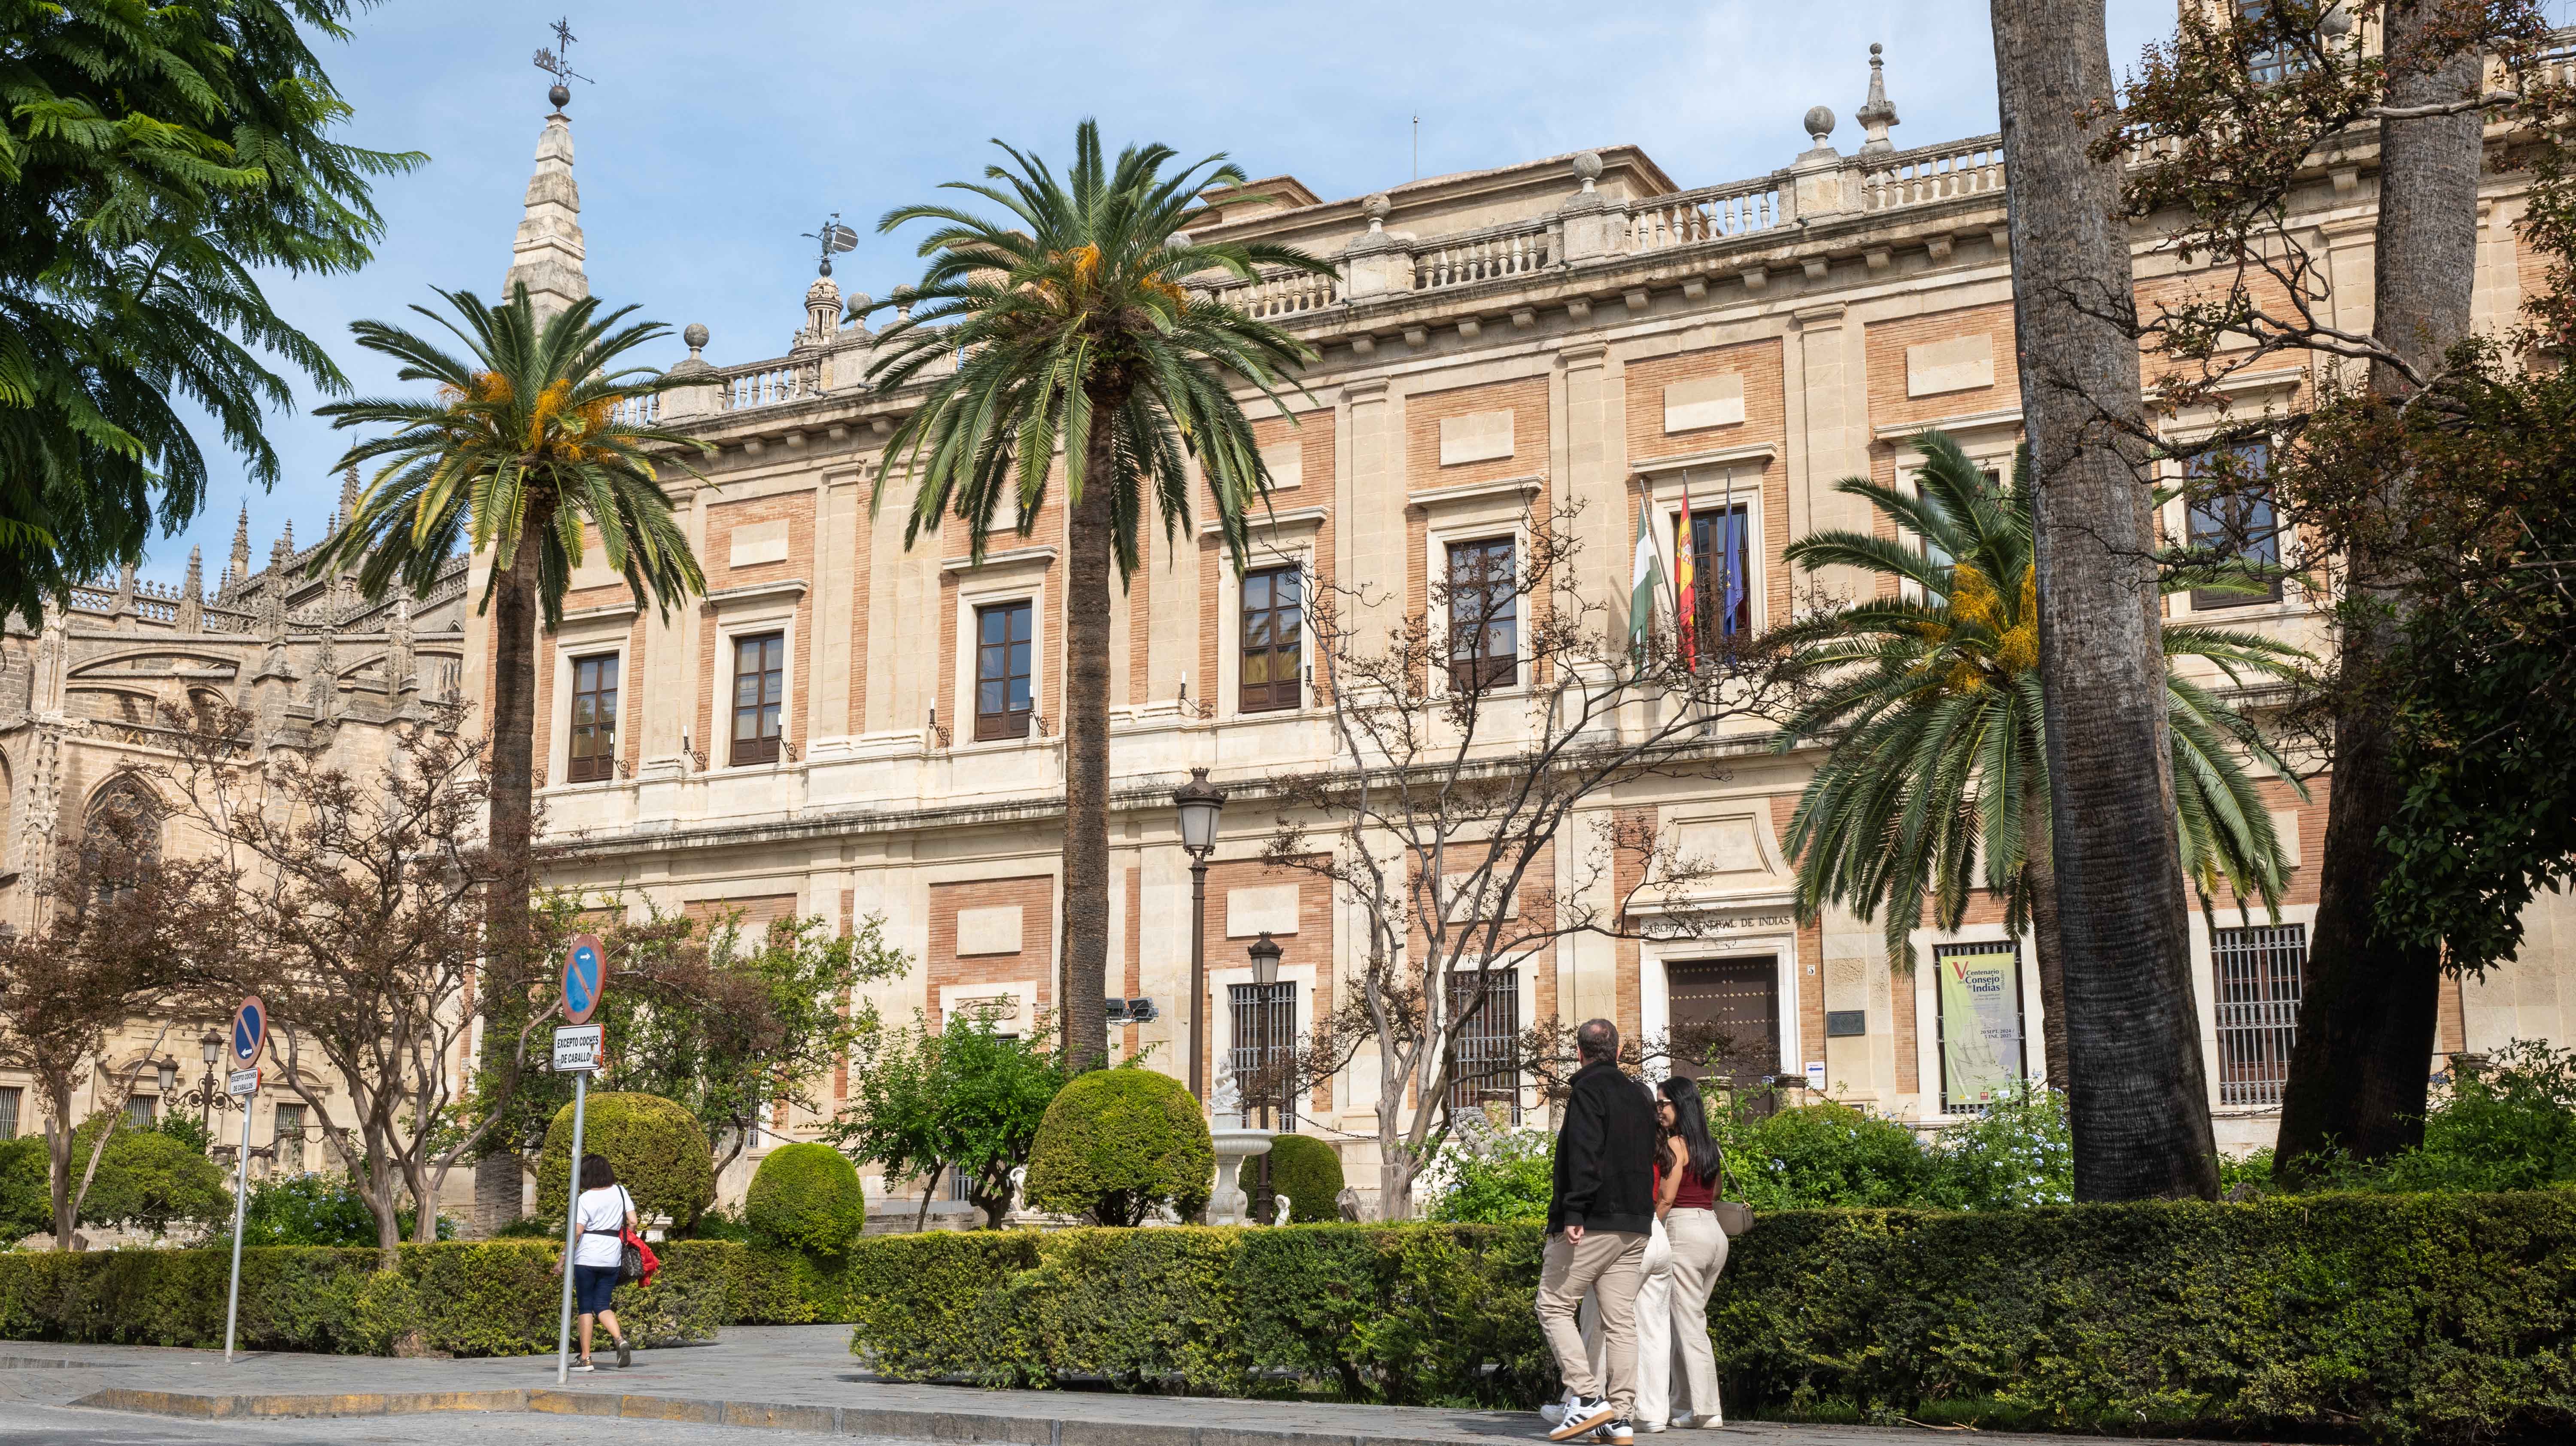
x,y
1484,615
1274,624
593,752
759,696
1978,1016
2235,519
1489,1047
287,1138
140,1110
9,1098
1265,1034
2258,974
1721,569
1002,654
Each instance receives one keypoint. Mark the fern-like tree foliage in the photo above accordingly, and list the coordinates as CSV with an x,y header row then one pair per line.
x,y
1063,347
155,160
1935,781
523,448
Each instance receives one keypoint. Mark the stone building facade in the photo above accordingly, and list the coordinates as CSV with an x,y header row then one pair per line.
x,y
1580,327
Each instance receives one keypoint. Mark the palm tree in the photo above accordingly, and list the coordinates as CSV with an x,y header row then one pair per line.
x,y
523,445
1073,331
1933,702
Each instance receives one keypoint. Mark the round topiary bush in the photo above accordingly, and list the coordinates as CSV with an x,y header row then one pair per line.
x,y
1117,1144
806,1196
1309,1173
660,1154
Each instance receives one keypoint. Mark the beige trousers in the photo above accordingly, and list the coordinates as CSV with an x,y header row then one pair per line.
x,y
1699,1253
1653,1405
1610,1264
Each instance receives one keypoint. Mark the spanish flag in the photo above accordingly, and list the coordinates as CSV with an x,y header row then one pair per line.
x,y
1685,590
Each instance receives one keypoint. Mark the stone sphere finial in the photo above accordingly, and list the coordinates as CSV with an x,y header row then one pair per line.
x,y
861,301
695,335
1181,239
1820,123
1377,208
559,95
1587,167
1875,51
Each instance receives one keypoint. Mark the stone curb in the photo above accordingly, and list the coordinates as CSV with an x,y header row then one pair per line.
x,y
957,1426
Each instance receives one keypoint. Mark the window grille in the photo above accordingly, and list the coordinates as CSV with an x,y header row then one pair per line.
x,y
1484,615
2258,973
288,1139
1265,1035
9,1099
1488,1068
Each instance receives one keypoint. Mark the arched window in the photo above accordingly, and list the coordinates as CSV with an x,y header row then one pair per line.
x,y
122,835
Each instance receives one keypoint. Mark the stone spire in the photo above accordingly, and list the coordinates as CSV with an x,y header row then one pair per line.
x,y
192,593
348,497
241,544
1875,114
546,257
282,551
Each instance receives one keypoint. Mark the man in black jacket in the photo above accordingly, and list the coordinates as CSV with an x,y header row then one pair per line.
x,y
1599,1216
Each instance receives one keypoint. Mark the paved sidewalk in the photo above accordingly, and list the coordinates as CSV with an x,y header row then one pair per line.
x,y
792,1378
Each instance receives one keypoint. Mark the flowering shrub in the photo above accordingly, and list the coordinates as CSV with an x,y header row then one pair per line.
x,y
1489,1174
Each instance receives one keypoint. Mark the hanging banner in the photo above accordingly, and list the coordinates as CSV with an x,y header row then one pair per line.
x,y
1980,1003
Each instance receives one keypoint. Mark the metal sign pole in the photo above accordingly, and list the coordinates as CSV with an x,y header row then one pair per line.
x,y
241,1191
572,1232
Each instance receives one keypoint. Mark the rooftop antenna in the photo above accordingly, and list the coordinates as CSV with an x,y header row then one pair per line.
x,y
1417,148
554,63
833,237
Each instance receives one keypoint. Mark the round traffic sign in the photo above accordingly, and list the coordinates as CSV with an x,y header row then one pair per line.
x,y
585,963
250,1027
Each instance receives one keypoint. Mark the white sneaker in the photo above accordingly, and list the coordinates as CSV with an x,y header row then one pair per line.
x,y
1582,1414
1552,1412
579,1366
1619,1433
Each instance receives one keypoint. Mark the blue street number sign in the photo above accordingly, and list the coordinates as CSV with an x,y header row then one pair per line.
x,y
584,964
250,1028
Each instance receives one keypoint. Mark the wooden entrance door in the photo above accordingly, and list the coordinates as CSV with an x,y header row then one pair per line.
x,y
1725,1017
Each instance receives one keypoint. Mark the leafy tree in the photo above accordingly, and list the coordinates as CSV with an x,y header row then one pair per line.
x,y
657,1149
966,1099
1070,325
26,1200
155,159
524,449
1936,711
149,1179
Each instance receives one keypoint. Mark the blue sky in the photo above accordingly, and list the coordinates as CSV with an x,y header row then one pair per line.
x,y
712,135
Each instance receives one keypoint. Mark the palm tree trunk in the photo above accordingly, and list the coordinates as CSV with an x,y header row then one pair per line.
x,y
2367,1012
506,969
2040,879
2138,1097
1086,752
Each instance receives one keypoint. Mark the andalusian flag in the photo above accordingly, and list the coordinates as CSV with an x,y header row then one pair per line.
x,y
1642,579
1685,590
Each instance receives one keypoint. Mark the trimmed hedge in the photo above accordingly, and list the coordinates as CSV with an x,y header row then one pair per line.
x,y
659,1151
490,1298
806,1196
1118,1144
2442,1318
1309,1173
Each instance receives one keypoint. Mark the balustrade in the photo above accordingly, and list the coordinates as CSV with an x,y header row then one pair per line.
x,y
1481,256
770,384
643,411
1707,214
1285,294
1933,173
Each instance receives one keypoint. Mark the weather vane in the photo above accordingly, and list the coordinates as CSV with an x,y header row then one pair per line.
x,y
554,63
834,237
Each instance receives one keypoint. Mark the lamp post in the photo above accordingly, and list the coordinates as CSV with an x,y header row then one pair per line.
x,y
1199,803
1265,953
210,1048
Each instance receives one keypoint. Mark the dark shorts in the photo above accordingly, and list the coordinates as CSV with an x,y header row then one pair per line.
x,y
591,1285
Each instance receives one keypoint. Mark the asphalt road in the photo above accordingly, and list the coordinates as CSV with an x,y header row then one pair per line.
x,y
22,1424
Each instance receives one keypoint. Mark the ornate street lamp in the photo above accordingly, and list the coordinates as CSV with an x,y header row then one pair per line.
x,y
1199,803
209,1048
1265,952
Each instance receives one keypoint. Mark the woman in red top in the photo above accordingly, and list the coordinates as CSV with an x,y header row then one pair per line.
x,y
1687,1167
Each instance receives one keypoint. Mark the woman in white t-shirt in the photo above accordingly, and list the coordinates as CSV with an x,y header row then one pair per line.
x,y
605,1212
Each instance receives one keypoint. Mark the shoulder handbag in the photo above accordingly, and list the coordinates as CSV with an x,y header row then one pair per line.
x,y
636,1261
